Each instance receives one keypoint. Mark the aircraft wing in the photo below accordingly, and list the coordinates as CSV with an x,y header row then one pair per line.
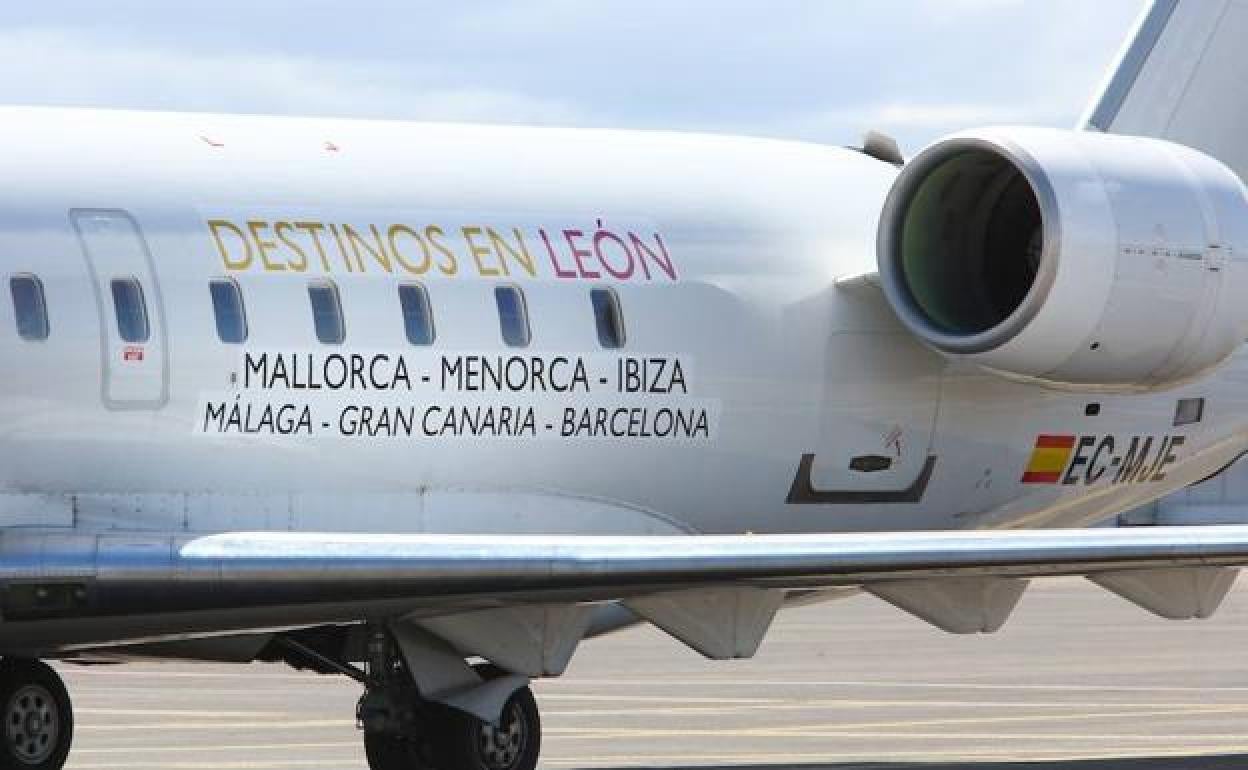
x,y
717,593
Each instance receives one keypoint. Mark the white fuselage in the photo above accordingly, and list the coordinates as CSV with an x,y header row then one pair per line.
x,y
749,342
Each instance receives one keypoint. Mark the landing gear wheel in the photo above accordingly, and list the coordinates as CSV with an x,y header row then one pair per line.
x,y
38,718
514,743
393,752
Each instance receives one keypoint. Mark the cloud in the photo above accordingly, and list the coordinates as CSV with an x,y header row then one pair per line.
x,y
48,66
796,68
913,123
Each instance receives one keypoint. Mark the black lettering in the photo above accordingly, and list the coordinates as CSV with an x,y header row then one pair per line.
x,y
278,373
372,372
259,367
1095,469
347,425
1085,442
335,380
1132,463
1168,457
214,411
452,369
678,378
400,375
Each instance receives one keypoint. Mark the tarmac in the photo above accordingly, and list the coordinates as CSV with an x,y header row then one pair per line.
x,y
1078,679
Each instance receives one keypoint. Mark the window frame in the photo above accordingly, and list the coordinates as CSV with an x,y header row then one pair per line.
x,y
144,317
41,300
522,308
405,289
1189,411
332,288
616,311
241,306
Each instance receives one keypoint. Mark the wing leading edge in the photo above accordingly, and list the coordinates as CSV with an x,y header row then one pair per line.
x,y
529,565
110,587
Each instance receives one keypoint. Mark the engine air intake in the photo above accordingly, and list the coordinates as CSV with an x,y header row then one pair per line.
x,y
970,242
1070,258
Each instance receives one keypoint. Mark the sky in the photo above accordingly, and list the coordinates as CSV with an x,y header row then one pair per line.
x,y
820,70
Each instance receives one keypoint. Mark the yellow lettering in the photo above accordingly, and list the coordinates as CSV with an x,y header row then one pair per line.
x,y
479,251
451,266
379,254
392,235
312,229
264,245
280,229
333,229
503,250
215,226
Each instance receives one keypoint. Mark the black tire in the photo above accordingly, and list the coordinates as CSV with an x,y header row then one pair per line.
x,y
38,717
467,743
391,752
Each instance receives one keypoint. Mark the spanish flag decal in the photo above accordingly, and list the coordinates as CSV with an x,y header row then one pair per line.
x,y
1048,459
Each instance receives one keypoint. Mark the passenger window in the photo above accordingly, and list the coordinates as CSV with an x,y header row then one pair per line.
x,y
29,307
227,306
417,315
513,316
327,313
131,309
607,317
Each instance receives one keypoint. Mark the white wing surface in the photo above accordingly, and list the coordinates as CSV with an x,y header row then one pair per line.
x,y
717,593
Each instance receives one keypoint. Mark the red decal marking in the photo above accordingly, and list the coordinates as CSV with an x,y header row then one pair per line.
x,y
1055,442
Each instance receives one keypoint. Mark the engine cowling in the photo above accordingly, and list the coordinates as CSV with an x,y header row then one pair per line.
x,y
1072,258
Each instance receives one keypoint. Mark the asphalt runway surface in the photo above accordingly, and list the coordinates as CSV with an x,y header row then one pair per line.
x,y
1078,679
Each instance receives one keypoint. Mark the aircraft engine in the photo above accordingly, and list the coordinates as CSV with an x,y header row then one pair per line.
x,y
1075,259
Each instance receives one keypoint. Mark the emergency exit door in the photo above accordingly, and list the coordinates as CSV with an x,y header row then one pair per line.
x,y
134,371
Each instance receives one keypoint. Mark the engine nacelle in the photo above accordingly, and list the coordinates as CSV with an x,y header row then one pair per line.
x,y
1072,258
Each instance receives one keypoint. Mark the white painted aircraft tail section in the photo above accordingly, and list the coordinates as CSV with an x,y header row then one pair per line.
x,y
1180,77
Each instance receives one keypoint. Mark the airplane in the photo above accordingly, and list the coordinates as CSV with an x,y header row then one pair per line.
x,y
426,406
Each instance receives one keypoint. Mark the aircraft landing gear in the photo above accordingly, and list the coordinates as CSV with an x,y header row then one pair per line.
x,y
512,744
404,732
453,740
38,717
